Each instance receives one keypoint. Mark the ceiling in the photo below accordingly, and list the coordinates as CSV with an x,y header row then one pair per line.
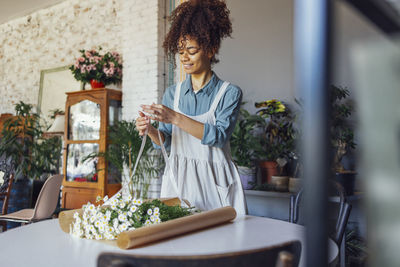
x,y
12,9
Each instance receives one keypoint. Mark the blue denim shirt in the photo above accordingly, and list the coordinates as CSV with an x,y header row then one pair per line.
x,y
194,104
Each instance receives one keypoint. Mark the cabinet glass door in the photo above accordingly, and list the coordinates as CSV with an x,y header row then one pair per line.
x,y
84,121
79,170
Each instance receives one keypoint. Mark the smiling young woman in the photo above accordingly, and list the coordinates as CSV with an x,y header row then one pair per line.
x,y
197,116
195,61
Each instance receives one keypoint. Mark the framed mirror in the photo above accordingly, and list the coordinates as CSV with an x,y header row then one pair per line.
x,y
54,83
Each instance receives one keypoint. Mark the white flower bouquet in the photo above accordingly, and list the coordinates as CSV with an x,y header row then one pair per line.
x,y
123,214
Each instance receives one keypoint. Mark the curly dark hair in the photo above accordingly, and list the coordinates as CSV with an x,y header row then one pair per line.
x,y
206,21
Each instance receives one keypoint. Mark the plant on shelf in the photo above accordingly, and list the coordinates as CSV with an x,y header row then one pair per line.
x,y
278,138
342,136
22,141
121,154
98,69
245,145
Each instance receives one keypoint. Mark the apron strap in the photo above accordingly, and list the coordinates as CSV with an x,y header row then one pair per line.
x,y
176,96
168,167
140,152
219,96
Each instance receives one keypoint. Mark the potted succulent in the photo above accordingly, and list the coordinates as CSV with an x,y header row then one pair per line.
x,y
342,136
244,146
278,137
98,69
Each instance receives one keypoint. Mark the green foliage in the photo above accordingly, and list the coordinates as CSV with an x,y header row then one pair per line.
x,y
279,134
264,187
92,65
22,141
355,246
341,130
55,112
122,152
166,212
45,156
342,136
244,144
141,216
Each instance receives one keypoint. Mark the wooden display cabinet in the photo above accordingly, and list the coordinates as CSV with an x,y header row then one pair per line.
x,y
88,114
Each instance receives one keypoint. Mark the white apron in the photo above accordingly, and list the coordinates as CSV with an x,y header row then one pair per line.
x,y
202,174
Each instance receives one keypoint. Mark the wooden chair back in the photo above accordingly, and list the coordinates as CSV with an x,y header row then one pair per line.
x,y
267,256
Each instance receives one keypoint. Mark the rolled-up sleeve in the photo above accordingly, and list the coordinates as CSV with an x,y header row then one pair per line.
x,y
226,115
166,128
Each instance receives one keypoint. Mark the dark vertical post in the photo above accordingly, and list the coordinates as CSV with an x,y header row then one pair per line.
x,y
312,54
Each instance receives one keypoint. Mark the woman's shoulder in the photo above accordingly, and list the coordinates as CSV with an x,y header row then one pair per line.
x,y
233,90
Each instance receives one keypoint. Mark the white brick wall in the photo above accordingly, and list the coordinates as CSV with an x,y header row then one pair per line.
x,y
52,37
142,36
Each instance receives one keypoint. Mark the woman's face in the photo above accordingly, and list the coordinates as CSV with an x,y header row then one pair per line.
x,y
194,59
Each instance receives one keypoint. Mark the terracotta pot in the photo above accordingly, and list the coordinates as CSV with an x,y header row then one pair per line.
x,y
268,168
96,85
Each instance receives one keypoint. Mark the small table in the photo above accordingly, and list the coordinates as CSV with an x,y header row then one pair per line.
x,y
45,244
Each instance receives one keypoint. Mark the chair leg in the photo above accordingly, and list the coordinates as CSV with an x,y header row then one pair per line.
x,y
342,252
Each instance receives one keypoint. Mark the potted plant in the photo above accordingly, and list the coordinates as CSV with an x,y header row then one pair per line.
x,y
342,136
98,69
22,142
278,137
244,146
121,155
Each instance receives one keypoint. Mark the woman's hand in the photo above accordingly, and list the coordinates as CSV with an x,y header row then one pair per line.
x,y
161,113
142,123
166,115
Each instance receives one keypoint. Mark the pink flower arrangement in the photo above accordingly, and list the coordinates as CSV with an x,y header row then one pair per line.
x,y
92,65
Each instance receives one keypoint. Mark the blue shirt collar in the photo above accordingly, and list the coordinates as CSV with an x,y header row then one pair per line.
x,y
208,88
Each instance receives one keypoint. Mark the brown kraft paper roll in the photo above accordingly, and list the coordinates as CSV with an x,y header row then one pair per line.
x,y
156,232
66,218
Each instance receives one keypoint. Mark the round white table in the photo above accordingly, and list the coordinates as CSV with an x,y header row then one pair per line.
x,y
45,244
